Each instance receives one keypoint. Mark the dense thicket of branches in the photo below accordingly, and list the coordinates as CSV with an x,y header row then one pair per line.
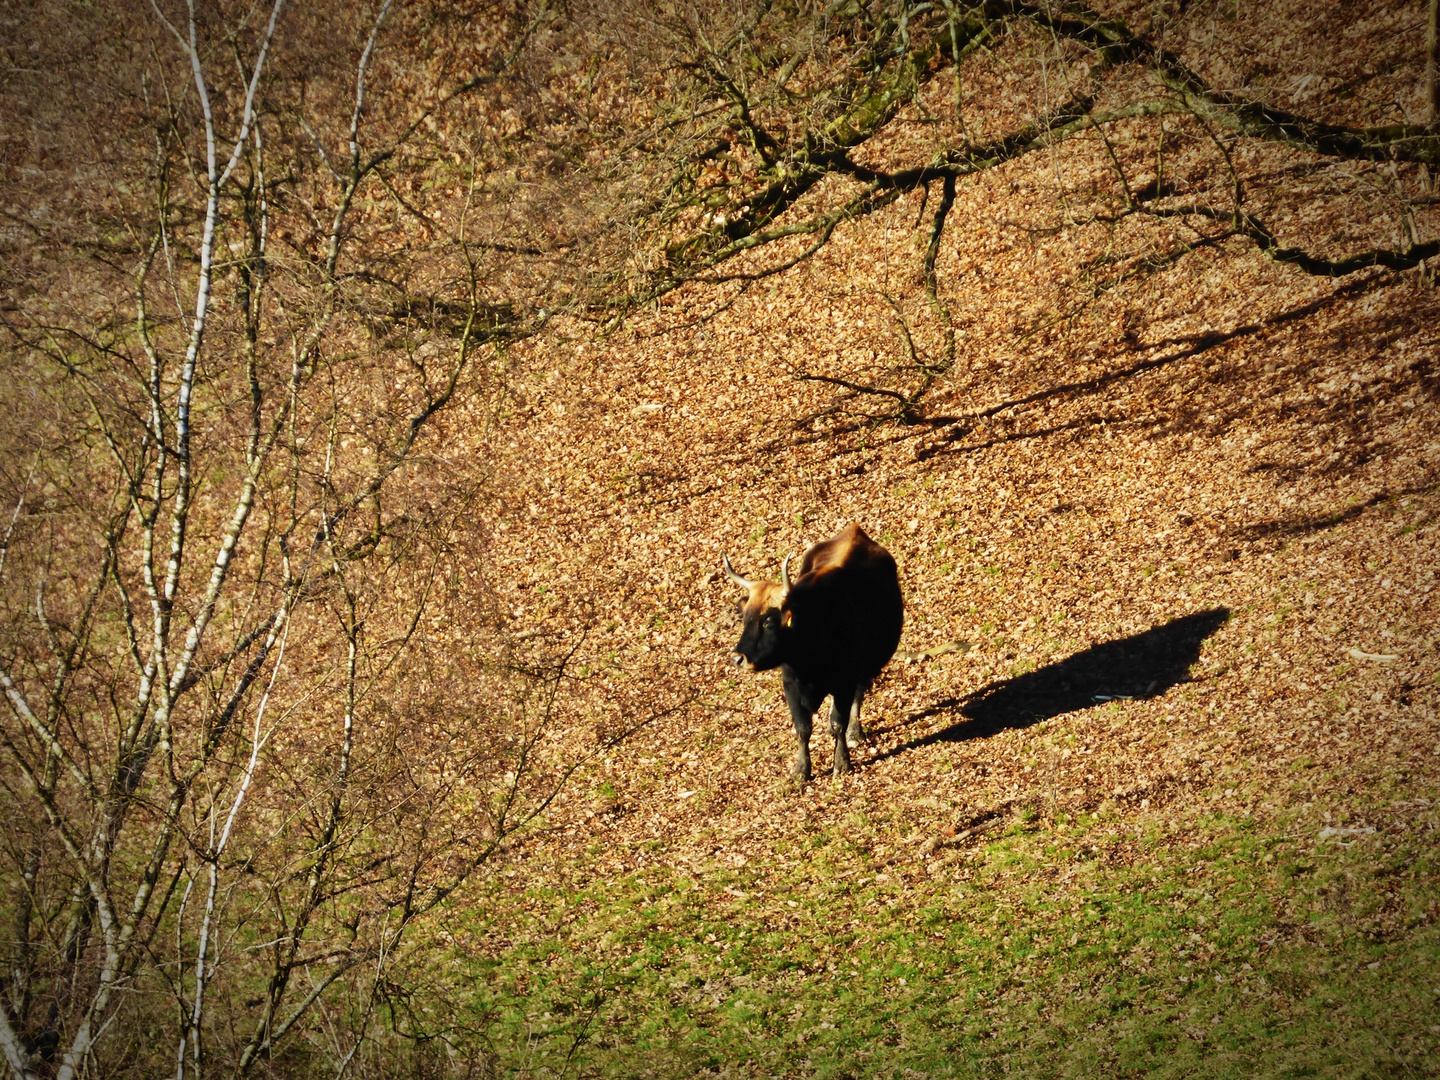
x,y
1211,125
260,714
260,263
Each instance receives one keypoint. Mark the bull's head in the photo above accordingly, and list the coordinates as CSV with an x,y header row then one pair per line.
x,y
765,619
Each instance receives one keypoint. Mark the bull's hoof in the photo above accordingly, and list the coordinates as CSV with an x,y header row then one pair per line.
x,y
854,734
801,772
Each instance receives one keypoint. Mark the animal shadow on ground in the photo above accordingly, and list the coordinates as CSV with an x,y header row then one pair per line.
x,y
1141,666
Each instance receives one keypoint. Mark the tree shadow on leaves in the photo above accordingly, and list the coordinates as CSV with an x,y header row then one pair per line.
x,y
1141,666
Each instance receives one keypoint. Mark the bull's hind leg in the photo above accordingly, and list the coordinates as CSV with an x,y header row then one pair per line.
x,y
840,711
855,733
803,703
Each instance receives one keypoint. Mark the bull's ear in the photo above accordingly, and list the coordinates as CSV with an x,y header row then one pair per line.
x,y
787,618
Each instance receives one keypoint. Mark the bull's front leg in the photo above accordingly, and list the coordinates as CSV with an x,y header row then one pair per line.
x,y
802,703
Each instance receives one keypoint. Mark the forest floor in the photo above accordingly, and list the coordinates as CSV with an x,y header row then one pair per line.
x,y
1154,785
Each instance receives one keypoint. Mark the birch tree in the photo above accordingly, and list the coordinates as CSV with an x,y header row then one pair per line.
x,y
220,821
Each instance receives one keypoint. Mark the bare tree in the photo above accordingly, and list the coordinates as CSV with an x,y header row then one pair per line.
x,y
224,554
1432,64
1432,76
806,92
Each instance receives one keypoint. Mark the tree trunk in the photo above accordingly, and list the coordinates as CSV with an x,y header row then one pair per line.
x,y
1432,65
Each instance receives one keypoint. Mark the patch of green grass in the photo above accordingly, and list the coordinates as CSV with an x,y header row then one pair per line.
x,y
1085,946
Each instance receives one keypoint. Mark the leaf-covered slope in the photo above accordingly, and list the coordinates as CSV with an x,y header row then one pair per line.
x,y
1174,502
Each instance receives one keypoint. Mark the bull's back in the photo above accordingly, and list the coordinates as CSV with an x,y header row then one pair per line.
x,y
883,609
852,585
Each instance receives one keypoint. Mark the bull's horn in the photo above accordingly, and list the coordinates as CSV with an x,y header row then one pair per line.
x,y
785,574
730,573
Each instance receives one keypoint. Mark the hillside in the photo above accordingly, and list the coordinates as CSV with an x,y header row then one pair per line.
x,y
366,643
1181,523
1188,564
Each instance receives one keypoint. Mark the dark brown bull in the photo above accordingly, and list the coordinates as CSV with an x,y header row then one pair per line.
x,y
830,631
